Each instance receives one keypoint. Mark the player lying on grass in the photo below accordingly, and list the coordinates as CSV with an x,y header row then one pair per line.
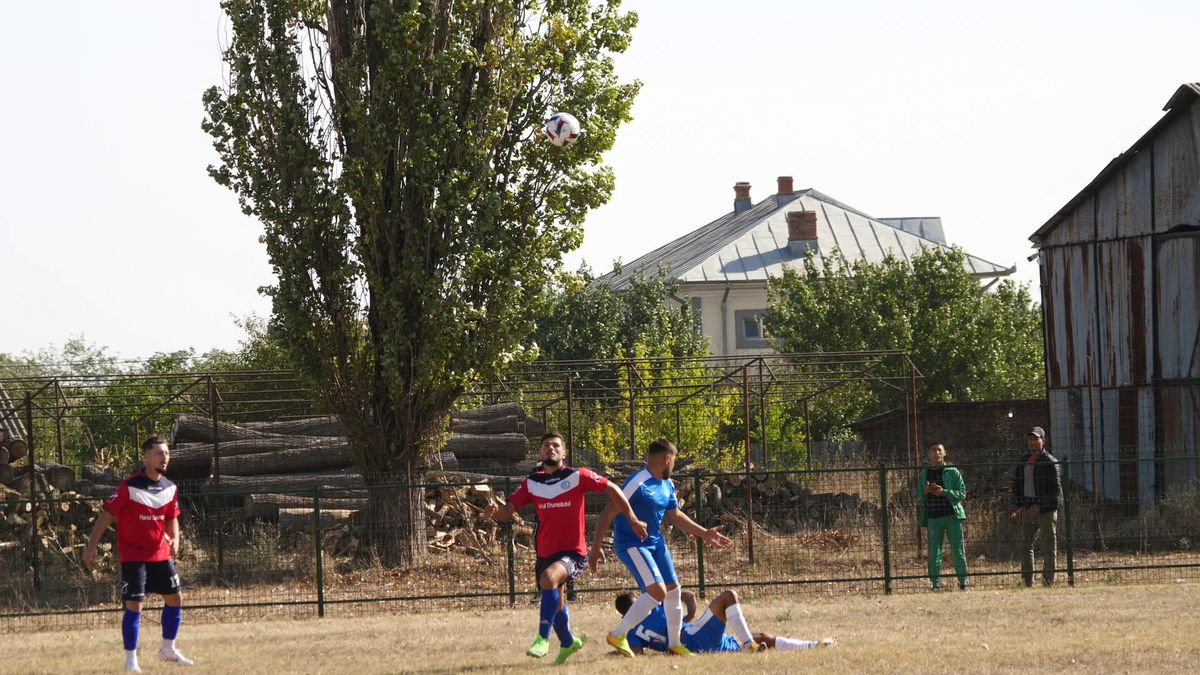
x,y
648,559
557,491
707,634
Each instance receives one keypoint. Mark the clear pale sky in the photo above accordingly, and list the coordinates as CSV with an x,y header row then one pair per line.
x,y
990,115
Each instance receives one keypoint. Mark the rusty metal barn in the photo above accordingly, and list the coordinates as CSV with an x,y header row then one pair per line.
x,y
1120,277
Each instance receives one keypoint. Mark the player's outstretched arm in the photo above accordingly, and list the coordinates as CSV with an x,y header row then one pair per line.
x,y
603,524
501,513
710,535
689,602
102,522
617,497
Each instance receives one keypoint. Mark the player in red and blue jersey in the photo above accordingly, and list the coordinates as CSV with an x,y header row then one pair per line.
x,y
145,508
557,492
707,634
652,495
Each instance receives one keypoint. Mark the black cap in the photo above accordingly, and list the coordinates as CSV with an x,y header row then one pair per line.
x,y
1039,432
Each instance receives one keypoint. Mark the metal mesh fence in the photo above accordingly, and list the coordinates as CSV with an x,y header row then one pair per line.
x,y
819,531
809,464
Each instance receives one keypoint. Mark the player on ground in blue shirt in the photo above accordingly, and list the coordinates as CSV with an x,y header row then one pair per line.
x,y
652,495
707,634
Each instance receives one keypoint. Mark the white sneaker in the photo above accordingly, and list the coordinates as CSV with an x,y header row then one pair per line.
x,y
133,667
827,642
173,656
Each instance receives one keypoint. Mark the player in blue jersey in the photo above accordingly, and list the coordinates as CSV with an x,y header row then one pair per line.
x,y
707,634
652,495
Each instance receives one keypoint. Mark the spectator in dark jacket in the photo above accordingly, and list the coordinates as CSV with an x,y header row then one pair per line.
x,y
1036,496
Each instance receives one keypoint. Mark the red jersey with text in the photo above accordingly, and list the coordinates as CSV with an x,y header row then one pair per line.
x,y
142,508
558,498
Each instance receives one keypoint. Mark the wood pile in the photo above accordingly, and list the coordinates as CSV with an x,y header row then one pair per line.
x,y
493,438
12,436
63,517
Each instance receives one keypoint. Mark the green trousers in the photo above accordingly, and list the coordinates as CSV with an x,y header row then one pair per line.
x,y
939,530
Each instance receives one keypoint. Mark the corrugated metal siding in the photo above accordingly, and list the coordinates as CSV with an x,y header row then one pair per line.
x,y
1072,326
1178,435
1178,326
1126,323
1177,172
1123,205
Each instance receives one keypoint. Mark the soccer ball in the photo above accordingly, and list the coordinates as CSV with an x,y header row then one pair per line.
x,y
562,129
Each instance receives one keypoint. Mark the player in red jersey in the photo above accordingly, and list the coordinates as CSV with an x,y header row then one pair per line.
x,y
145,508
558,491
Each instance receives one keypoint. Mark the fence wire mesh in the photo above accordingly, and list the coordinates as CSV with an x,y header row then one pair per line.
x,y
809,463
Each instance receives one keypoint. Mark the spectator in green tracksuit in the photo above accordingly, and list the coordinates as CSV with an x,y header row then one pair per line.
x,y
940,494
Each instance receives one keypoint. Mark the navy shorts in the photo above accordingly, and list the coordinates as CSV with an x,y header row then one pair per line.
x,y
574,563
139,578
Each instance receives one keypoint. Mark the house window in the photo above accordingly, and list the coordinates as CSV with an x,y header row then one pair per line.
x,y
749,326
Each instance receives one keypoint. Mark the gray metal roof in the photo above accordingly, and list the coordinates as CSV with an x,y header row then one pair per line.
x,y
926,228
753,245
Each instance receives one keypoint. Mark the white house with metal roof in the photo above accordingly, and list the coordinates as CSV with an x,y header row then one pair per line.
x,y
723,267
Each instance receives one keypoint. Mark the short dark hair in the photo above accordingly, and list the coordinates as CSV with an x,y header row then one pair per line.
x,y
552,434
927,447
153,440
659,446
624,602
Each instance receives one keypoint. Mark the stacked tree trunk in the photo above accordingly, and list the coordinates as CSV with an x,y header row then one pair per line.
x,y
12,436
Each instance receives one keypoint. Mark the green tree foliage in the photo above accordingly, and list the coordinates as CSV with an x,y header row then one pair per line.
x,y
588,319
969,345
413,218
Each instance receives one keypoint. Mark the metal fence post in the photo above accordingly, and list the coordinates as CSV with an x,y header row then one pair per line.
x,y
509,544
33,519
1070,531
212,410
749,477
698,497
317,549
884,517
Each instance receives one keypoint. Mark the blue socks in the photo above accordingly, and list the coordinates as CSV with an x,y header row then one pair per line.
x,y
171,618
129,629
548,610
562,627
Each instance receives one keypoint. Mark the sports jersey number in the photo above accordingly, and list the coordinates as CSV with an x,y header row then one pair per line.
x,y
649,635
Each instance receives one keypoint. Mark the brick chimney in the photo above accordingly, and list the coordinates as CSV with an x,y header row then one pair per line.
x,y
741,197
802,231
785,186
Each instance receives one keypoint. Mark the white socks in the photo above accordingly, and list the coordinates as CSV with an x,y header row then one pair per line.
x,y
673,605
168,645
637,613
789,643
741,631
131,661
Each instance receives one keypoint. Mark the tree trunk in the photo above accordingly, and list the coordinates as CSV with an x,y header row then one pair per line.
x,y
308,426
334,454
193,429
489,412
395,518
195,458
347,480
509,424
499,447
267,506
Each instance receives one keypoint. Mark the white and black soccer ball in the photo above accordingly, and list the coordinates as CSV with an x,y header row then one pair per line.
x,y
562,129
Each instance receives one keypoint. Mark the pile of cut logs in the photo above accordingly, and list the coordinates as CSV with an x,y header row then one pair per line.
x,y
63,515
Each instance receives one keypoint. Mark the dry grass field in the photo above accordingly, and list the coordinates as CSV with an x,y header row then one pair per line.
x,y
1097,629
